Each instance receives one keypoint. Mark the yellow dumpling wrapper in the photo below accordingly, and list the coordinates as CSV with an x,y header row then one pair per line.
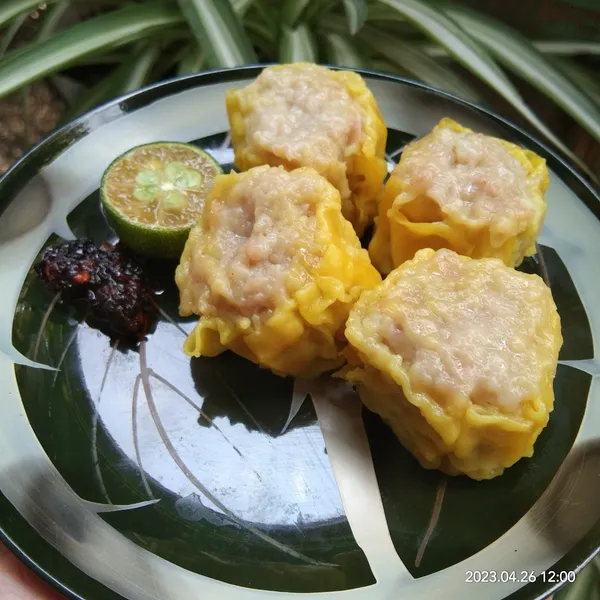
x,y
475,194
305,115
458,356
273,269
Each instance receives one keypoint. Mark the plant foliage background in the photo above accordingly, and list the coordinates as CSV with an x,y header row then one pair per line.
x,y
536,61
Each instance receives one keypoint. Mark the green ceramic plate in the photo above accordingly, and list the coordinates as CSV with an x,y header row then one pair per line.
x,y
199,490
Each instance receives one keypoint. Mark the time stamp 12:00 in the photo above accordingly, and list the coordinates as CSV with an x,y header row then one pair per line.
x,y
519,576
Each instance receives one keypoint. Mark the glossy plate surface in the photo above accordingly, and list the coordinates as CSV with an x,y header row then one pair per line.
x,y
191,483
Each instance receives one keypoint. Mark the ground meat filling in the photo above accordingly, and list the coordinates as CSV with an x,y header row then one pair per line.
x,y
469,177
306,118
466,329
254,232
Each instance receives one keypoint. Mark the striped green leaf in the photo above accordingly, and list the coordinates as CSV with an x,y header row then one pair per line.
x,y
385,66
172,52
140,68
356,12
566,47
9,9
219,32
297,45
335,24
266,14
9,34
517,54
262,36
417,63
585,79
192,62
342,52
109,58
551,48
241,6
52,19
387,18
292,11
381,12
473,56
69,88
107,88
318,9
133,74
100,34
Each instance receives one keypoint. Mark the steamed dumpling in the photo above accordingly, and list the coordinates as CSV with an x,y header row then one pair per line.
x,y
273,269
458,356
472,193
304,115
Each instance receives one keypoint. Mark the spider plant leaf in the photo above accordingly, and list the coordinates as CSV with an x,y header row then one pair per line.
x,y
10,33
140,68
381,12
292,11
66,88
70,89
473,56
297,45
386,66
449,35
258,26
100,93
100,34
266,14
52,19
13,8
219,32
342,51
129,76
356,12
335,24
338,24
48,23
318,9
517,54
385,16
417,63
566,47
548,47
172,52
262,37
583,78
192,62
241,6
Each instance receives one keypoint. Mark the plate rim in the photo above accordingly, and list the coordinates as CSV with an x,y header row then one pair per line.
x,y
35,567
219,75
43,153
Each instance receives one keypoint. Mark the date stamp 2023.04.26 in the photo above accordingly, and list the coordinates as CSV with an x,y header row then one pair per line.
x,y
492,576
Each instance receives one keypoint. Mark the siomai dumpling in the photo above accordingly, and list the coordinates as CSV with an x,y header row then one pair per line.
x,y
305,115
472,193
458,356
273,269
